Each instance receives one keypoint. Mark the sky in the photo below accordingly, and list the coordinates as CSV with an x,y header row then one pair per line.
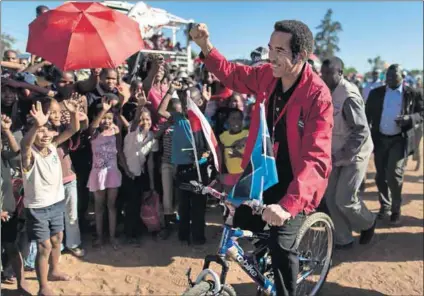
x,y
393,30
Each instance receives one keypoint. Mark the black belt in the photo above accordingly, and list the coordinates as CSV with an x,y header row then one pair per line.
x,y
390,136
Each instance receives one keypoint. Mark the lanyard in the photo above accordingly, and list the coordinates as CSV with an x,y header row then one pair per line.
x,y
276,120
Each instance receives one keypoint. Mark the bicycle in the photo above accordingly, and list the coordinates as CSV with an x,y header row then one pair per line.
x,y
257,264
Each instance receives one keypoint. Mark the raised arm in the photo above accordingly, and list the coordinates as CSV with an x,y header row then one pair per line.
x,y
163,106
240,78
89,84
157,63
6,123
96,122
35,67
40,119
72,107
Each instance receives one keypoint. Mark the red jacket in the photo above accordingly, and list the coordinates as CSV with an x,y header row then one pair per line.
x,y
310,147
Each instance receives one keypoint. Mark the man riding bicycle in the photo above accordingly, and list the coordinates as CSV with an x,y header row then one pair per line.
x,y
300,119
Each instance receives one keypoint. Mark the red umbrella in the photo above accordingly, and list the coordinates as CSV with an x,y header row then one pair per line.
x,y
84,35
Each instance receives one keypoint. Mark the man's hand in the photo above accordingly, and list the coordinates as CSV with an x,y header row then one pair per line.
x,y
275,215
4,216
6,123
235,153
176,85
200,35
158,61
206,92
403,120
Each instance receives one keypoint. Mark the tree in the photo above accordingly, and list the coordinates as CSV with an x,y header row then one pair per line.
x,y
326,40
349,70
376,63
416,72
7,41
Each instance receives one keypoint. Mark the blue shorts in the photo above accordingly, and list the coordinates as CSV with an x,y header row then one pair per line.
x,y
43,223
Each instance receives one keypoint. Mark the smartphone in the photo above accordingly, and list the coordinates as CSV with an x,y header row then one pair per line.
x,y
189,27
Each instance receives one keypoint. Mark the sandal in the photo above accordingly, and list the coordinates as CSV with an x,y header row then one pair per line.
x,y
77,252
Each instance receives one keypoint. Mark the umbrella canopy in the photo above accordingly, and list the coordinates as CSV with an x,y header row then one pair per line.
x,y
81,35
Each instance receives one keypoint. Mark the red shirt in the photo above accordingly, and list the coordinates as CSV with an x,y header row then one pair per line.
x,y
310,147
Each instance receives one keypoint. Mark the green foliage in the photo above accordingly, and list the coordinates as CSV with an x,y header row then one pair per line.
x,y
7,42
326,39
376,63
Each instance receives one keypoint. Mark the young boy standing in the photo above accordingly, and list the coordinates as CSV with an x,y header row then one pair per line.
x,y
44,193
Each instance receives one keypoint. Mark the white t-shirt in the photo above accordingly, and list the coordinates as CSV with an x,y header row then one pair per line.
x,y
136,148
43,184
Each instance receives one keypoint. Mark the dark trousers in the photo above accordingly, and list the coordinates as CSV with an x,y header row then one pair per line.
x,y
285,261
81,161
133,191
192,207
390,160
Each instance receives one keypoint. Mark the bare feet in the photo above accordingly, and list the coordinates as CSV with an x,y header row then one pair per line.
x,y
45,292
58,277
23,289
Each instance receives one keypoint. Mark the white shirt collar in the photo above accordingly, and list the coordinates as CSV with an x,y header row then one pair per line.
x,y
398,89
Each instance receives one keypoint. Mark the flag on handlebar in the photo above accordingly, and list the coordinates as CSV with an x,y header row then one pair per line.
x,y
261,171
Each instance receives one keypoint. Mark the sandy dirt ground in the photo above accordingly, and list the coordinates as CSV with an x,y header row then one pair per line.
x,y
391,265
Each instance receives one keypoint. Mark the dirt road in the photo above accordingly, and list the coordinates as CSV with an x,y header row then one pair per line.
x,y
391,265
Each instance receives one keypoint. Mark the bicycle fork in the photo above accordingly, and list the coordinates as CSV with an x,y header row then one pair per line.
x,y
247,263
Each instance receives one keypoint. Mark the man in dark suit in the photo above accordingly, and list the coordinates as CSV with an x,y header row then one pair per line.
x,y
392,112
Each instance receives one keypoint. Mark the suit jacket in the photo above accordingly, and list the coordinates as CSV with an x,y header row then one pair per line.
x,y
412,105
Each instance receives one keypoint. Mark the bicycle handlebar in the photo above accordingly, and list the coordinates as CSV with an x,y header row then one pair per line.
x,y
197,187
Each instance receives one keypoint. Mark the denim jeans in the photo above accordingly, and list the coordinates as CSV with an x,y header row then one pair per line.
x,y
168,173
72,233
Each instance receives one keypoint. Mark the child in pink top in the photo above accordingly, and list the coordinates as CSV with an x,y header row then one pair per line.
x,y
105,177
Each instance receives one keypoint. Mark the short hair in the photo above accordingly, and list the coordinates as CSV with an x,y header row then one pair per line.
x,y
302,38
135,84
334,62
395,67
40,9
235,110
6,52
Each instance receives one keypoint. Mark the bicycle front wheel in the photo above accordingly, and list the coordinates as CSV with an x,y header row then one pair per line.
x,y
315,244
205,288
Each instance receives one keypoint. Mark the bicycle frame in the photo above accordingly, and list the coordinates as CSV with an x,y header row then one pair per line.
x,y
229,246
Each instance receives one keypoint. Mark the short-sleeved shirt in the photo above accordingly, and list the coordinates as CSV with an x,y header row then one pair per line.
x,y
233,164
182,147
136,148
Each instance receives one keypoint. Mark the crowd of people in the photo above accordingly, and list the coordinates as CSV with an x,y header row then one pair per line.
x,y
127,145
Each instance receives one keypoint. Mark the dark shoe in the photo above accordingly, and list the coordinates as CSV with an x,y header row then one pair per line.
x,y
362,187
366,235
198,242
183,238
383,213
344,247
395,219
165,233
